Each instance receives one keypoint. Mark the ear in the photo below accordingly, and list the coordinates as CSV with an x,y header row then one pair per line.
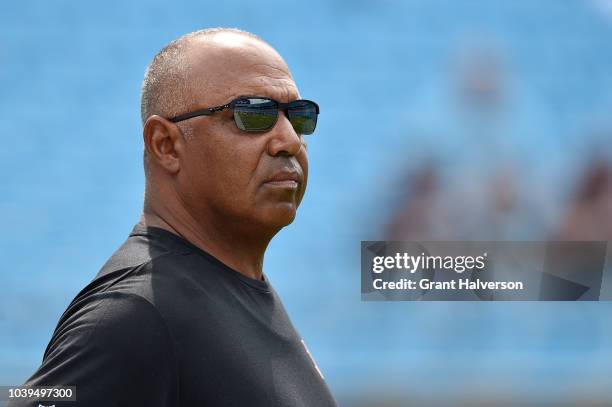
x,y
164,143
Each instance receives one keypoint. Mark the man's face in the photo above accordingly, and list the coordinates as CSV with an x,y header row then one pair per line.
x,y
230,173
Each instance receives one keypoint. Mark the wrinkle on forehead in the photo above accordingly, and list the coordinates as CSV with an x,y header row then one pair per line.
x,y
281,72
282,90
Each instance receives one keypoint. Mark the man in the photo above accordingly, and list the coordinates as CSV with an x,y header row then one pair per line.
x,y
182,314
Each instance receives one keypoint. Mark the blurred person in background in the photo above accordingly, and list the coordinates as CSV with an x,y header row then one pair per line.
x,y
589,211
482,176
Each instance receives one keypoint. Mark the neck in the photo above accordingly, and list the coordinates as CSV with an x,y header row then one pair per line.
x,y
230,243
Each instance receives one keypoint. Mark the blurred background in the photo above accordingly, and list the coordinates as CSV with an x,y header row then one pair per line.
x,y
440,119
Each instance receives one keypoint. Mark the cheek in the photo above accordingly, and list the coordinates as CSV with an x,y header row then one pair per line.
x,y
303,160
229,166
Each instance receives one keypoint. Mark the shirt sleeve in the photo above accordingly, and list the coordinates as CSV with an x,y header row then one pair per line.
x,y
117,352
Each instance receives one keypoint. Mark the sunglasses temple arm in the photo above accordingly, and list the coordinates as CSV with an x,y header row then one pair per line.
x,y
203,112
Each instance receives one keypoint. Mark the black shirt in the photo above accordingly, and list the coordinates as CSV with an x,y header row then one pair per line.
x,y
166,324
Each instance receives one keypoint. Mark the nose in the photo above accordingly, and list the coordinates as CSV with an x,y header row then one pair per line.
x,y
283,138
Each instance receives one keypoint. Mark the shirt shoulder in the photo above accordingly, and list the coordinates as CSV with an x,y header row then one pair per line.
x,y
116,351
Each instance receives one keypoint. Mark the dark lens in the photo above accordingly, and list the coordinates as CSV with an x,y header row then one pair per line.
x,y
303,116
255,114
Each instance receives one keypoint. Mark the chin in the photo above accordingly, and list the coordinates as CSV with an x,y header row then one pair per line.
x,y
280,215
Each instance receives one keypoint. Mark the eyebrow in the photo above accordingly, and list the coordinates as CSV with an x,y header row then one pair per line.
x,y
246,96
281,94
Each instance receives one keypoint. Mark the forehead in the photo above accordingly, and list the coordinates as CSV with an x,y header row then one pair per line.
x,y
229,65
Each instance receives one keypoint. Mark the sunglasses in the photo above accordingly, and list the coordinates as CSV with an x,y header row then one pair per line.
x,y
258,113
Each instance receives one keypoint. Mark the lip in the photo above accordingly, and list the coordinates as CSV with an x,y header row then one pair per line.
x,y
285,179
289,184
